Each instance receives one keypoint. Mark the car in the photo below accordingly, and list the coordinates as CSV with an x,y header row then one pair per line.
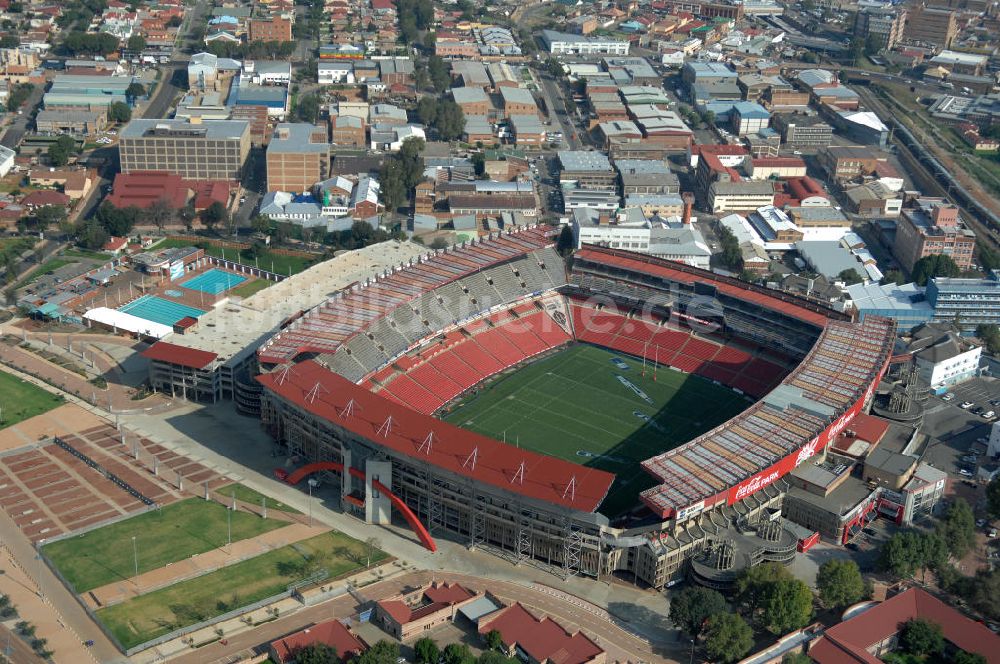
x,y
853,547
977,410
797,152
948,396
965,405
988,415
969,458
980,523
243,199
992,533
963,472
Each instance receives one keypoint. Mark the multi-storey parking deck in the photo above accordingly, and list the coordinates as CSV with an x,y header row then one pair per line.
x,y
329,325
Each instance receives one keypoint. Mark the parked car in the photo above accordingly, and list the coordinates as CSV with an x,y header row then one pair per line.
x,y
965,405
965,473
948,396
980,523
988,415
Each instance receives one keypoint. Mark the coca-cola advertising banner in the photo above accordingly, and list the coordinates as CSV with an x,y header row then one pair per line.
x,y
772,473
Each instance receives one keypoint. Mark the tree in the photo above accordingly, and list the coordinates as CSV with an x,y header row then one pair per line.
x,y
921,637
307,108
935,265
691,607
457,653
796,658
383,652
478,160
732,256
317,653
840,583
849,276
990,335
993,498
494,640
136,43
910,551
787,606
752,585
894,277
439,243
92,235
159,213
118,222
856,48
61,149
727,637
491,657
119,111
426,651
260,224
438,72
963,657
49,215
135,90
214,214
958,528
989,259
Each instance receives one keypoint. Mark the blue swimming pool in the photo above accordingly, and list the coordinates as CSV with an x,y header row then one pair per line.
x,y
214,281
159,310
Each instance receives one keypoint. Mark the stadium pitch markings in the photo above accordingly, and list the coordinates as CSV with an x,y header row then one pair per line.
x,y
595,407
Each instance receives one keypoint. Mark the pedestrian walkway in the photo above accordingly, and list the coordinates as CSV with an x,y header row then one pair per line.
x,y
202,563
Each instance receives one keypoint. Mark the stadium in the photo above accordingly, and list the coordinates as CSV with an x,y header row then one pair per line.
x,y
619,416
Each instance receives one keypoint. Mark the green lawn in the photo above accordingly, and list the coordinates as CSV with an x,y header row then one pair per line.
x,y
166,535
266,260
572,406
151,615
47,267
248,495
250,287
20,400
15,246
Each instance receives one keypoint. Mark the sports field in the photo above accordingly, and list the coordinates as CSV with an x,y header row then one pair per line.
x,y
20,400
151,615
162,536
594,407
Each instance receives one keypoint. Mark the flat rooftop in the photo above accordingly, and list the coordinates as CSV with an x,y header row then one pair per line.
x,y
234,329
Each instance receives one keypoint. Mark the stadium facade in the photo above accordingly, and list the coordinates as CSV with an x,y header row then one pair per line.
x,y
355,381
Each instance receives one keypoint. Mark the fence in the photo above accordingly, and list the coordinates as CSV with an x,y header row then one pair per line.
x,y
242,268
104,471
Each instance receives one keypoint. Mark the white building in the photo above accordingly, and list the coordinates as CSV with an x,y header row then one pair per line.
x,y
266,72
334,73
563,43
629,229
6,160
942,357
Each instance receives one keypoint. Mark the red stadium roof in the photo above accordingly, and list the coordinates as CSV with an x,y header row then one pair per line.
x,y
686,274
174,354
317,390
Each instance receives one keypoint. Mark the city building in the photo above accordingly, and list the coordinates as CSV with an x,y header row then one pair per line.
x,y
422,609
739,196
748,118
802,131
195,150
644,176
972,302
83,123
564,43
332,633
930,25
347,131
273,29
881,26
970,64
932,228
847,163
298,157
943,357
906,304
85,93
870,634
587,170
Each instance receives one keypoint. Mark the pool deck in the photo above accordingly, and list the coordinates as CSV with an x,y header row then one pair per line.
x,y
219,277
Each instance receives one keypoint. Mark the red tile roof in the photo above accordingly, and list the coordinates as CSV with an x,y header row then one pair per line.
x,y
45,197
142,189
544,640
174,354
848,641
331,632
456,450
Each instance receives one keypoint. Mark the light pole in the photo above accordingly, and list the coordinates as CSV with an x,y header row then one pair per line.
x,y
311,484
229,530
691,661
135,557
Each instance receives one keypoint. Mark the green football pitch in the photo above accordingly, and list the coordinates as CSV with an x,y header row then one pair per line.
x,y
595,407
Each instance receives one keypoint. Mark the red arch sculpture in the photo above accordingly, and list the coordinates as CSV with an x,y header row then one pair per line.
x,y
425,537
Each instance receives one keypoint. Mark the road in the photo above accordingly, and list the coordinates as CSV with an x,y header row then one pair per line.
x,y
16,649
557,110
12,137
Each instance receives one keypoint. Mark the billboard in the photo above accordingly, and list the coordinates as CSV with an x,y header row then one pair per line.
x,y
176,270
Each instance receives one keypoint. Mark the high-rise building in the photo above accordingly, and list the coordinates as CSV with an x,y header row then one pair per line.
x,y
972,302
931,26
195,150
933,228
880,26
298,157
